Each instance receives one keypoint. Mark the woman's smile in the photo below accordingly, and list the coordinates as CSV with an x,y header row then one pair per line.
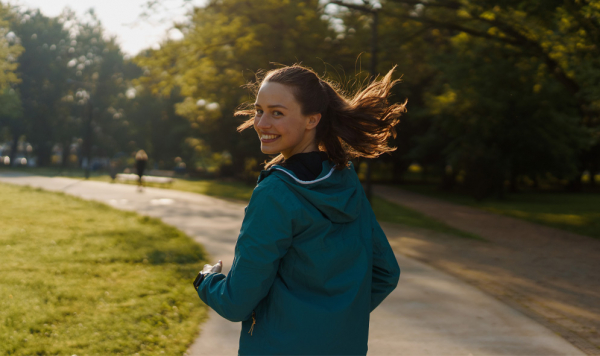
x,y
268,138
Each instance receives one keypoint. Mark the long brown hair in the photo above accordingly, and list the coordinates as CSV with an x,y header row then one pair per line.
x,y
349,127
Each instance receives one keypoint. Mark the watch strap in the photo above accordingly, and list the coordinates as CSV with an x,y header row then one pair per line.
x,y
199,279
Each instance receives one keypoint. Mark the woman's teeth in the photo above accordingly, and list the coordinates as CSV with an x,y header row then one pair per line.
x,y
268,137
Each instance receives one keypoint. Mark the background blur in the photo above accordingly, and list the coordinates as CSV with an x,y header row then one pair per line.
x,y
502,95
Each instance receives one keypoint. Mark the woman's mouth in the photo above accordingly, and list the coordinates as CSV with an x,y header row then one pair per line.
x,y
268,138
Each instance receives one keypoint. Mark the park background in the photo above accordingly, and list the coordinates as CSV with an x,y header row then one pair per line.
x,y
503,104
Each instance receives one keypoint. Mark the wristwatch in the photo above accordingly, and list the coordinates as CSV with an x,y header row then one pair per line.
x,y
199,279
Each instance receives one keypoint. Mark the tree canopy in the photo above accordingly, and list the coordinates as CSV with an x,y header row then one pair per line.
x,y
497,90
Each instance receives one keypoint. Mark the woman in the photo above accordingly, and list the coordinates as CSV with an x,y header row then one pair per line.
x,y
141,158
311,262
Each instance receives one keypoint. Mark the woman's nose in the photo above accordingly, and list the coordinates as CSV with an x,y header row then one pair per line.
x,y
262,122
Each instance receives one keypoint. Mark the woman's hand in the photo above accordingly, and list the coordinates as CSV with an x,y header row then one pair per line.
x,y
213,269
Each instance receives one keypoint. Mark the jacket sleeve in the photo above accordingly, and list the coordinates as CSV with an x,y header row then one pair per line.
x,y
386,271
264,238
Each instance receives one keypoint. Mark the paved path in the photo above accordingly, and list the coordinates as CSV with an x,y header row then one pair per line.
x,y
549,274
430,313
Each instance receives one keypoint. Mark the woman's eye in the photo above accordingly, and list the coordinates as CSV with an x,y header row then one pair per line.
x,y
277,113
258,112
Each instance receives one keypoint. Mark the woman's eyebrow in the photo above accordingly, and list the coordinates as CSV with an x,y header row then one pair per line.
x,y
271,106
276,106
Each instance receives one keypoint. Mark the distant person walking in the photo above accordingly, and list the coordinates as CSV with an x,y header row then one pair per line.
x,y
311,261
141,159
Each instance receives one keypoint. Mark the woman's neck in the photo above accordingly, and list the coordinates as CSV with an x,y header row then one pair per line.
x,y
309,147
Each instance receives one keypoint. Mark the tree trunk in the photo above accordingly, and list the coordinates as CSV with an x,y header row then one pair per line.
x,y
66,153
536,182
398,170
575,184
448,180
514,184
13,149
43,151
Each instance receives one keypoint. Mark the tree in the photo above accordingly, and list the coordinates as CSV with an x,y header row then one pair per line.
x,y
224,44
557,39
96,74
10,49
43,77
11,116
10,103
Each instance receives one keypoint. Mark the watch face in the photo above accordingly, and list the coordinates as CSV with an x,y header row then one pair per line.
x,y
198,280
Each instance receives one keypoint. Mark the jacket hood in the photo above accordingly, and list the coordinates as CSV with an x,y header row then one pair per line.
x,y
335,193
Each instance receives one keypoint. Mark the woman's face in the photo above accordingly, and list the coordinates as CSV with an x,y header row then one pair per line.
x,y
279,122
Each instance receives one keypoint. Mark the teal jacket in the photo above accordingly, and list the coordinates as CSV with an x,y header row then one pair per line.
x,y
311,263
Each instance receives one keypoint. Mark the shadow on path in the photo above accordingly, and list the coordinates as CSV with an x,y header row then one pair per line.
x,y
549,274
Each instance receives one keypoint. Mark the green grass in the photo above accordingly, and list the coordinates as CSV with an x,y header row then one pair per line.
x,y
78,277
220,189
390,212
575,212
52,171
217,188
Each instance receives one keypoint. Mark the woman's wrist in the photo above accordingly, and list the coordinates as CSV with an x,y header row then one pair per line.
x,y
199,279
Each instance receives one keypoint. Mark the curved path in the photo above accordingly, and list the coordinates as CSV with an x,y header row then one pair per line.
x,y
549,274
430,313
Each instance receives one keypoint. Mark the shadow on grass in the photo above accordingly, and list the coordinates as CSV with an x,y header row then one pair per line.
x,y
390,212
574,212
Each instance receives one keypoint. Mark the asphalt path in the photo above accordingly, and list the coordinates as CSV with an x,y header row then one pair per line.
x,y
430,313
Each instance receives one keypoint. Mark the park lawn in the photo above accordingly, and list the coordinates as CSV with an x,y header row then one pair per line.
x,y
220,189
79,277
217,188
574,212
78,173
390,212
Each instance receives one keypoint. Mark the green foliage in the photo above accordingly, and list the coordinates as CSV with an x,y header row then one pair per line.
x,y
511,91
79,277
67,65
497,90
10,49
224,44
43,80
150,122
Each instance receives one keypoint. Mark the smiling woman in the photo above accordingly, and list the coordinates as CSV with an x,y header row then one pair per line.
x,y
296,111
311,262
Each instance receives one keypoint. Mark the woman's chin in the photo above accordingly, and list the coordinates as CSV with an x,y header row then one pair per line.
x,y
268,150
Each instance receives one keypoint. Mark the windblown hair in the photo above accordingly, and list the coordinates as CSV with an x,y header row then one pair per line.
x,y
349,127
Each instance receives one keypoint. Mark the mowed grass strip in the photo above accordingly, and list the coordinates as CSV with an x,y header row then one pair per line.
x,y
575,212
218,189
78,277
394,213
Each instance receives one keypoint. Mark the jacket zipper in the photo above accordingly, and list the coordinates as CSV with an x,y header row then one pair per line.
x,y
253,322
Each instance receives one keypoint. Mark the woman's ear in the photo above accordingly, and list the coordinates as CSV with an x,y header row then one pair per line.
x,y
313,121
